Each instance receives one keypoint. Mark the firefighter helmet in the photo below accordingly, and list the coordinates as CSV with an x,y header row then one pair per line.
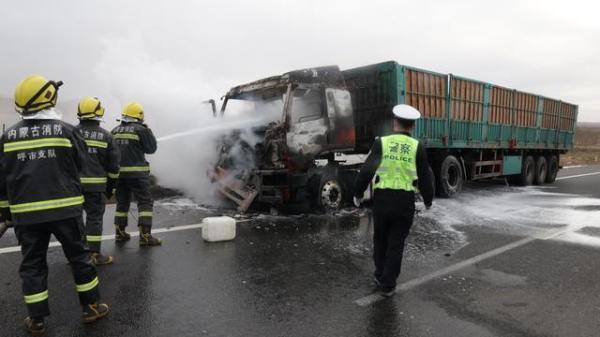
x,y
134,110
90,107
35,93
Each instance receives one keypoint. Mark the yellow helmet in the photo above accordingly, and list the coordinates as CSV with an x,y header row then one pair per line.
x,y
35,93
90,107
133,110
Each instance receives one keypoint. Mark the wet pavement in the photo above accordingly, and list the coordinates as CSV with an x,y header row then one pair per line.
x,y
303,275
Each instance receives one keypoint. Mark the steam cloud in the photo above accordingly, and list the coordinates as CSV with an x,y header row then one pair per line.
x,y
172,97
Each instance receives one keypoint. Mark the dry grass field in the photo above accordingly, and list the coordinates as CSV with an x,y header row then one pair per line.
x,y
587,146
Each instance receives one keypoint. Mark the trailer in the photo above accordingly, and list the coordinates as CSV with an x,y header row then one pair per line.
x,y
472,130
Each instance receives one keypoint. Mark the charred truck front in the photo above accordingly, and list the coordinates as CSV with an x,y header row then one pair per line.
x,y
306,119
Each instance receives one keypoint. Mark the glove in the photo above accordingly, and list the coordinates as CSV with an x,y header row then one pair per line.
x,y
110,187
357,201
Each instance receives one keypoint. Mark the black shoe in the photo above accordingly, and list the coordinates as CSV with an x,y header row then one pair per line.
x,y
387,292
100,260
149,240
93,312
146,238
35,326
121,235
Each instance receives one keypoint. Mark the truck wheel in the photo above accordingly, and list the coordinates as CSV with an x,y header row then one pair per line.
x,y
331,194
552,168
527,172
541,170
449,177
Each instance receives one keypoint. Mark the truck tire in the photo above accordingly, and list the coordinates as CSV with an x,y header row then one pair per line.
x,y
541,170
527,175
552,168
449,177
331,193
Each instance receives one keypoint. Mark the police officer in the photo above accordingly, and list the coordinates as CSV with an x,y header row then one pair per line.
x,y
99,174
135,140
399,164
40,161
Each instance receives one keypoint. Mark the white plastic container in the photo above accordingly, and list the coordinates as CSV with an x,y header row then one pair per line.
x,y
220,228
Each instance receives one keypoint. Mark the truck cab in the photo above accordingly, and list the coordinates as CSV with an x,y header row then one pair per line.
x,y
305,116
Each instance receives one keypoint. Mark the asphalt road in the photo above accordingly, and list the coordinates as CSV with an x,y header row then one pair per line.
x,y
497,261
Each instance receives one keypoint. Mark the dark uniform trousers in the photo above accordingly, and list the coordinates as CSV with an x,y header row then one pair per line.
x,y
94,206
393,213
34,240
140,189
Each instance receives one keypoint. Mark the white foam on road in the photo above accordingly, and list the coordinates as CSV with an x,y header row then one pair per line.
x,y
530,212
525,211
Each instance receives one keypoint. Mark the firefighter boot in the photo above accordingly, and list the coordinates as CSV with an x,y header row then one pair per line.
x,y
95,311
99,259
35,326
121,235
146,239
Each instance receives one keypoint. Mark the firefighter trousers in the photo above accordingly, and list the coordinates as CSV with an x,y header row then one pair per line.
x,y
393,213
34,240
94,206
140,189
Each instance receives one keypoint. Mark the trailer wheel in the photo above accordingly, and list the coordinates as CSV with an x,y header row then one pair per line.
x,y
541,170
527,172
552,168
331,194
449,177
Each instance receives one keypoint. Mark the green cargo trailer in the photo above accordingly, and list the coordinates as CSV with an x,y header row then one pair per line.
x,y
472,130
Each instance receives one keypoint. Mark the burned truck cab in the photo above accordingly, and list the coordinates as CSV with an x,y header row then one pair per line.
x,y
306,117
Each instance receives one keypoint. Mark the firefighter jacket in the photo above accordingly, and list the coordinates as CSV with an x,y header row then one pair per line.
x,y
102,167
135,140
40,162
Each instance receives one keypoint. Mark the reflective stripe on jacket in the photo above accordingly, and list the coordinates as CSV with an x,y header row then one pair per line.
x,y
103,161
40,163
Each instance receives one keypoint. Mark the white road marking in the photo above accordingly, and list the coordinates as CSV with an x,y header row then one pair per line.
x,y
370,299
112,237
579,175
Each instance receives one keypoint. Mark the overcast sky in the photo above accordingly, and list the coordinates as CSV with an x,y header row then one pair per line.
x,y
173,54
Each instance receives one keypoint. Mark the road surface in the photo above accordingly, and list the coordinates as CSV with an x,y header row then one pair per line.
x,y
497,261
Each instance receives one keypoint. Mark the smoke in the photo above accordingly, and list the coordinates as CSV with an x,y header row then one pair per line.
x,y
173,99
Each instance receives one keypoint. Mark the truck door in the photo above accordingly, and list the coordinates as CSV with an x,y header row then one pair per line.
x,y
307,131
341,135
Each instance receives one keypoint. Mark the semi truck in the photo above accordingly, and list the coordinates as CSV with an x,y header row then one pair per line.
x,y
321,122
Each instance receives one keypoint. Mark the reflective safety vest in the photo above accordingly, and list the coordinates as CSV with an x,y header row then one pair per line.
x,y
398,168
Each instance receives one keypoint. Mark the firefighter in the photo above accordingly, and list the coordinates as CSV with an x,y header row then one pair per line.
x,y
40,161
99,174
135,140
399,164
